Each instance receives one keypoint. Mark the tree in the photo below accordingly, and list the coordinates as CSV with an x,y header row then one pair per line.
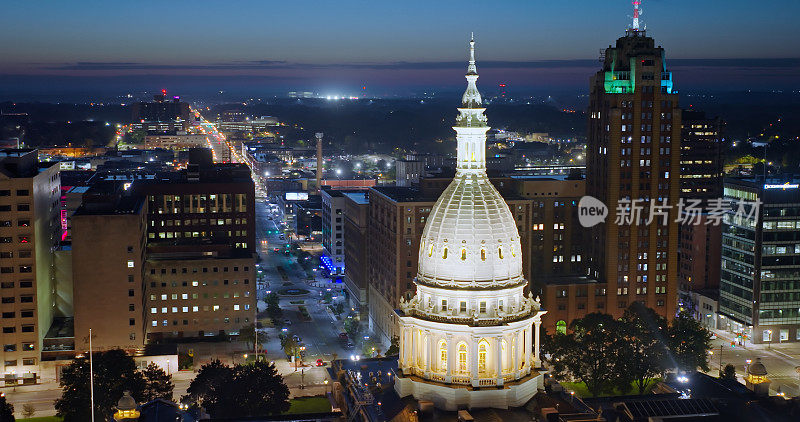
x,y
689,343
588,353
274,310
290,346
729,373
394,347
6,409
28,410
641,361
258,390
158,385
249,334
114,372
351,327
338,309
208,387
247,390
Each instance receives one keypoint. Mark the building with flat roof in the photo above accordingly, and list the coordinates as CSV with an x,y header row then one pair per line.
x,y
30,228
356,266
333,234
161,115
199,275
759,295
108,268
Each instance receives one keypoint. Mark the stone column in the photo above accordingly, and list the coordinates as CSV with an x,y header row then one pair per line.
x,y
536,361
451,358
498,347
428,366
413,351
472,360
402,362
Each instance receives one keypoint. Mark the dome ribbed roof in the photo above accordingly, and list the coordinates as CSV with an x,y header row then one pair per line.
x,y
473,223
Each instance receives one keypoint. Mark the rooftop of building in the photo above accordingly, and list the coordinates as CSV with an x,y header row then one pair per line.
x,y
404,194
108,198
21,163
360,197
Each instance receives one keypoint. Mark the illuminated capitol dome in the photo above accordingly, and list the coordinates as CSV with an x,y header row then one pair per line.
x,y
470,336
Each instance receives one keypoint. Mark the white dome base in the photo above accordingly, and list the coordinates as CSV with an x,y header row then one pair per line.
x,y
455,397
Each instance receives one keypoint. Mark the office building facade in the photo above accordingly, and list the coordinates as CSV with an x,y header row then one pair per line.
x,y
759,292
633,159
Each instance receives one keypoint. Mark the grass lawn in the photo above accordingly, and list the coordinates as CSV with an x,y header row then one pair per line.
x,y
309,405
42,419
580,389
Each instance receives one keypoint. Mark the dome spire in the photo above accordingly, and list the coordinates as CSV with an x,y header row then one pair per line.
x,y
471,69
471,123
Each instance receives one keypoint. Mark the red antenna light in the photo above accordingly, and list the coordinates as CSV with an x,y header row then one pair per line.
x,y
164,91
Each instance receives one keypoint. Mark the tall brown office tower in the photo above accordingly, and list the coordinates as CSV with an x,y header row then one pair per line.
x,y
634,157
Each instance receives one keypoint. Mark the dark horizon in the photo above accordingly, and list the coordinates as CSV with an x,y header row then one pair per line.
x,y
390,49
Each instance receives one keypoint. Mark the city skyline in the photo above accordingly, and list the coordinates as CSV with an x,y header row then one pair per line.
x,y
345,47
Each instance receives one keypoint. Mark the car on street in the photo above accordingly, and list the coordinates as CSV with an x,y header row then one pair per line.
x,y
287,322
349,345
276,249
320,362
343,336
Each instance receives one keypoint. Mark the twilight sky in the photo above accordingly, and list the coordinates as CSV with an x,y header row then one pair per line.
x,y
389,45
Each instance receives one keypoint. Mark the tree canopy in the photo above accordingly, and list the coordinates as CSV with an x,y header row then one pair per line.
x,y
632,351
6,409
157,384
254,389
114,372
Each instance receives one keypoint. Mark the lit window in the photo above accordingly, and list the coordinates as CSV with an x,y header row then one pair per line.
x,y
164,297
185,296
235,307
194,308
215,308
185,309
130,263
153,310
463,254
174,309
164,310
154,323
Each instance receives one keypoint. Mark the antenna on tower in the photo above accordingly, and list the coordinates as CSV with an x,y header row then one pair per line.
x,y
637,12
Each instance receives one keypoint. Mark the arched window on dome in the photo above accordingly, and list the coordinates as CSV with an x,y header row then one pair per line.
x,y
483,254
500,252
483,347
462,357
463,254
442,355
513,251
444,253
430,250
